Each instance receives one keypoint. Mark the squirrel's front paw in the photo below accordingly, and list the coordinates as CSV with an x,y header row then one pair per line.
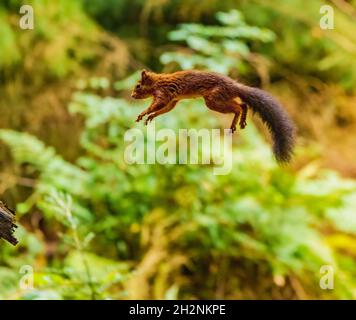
x,y
149,119
233,129
243,124
139,118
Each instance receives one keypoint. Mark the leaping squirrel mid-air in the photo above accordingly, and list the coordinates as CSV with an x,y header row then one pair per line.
x,y
221,94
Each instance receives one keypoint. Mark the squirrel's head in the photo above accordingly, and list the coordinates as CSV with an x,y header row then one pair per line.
x,y
144,87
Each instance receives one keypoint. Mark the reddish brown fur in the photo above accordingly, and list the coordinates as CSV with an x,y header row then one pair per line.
x,y
221,94
168,89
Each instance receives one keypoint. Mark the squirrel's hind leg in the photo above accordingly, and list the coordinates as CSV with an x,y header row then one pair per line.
x,y
234,121
217,102
240,111
242,122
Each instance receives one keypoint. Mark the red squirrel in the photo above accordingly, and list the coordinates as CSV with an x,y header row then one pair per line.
x,y
221,94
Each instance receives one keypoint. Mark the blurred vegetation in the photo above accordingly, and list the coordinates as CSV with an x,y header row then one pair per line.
x,y
94,227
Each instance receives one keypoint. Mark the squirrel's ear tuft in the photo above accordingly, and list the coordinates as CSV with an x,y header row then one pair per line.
x,y
144,74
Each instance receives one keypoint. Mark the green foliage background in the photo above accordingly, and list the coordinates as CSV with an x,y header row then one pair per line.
x,y
94,227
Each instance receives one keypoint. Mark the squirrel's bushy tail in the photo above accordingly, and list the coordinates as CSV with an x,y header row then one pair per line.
x,y
274,116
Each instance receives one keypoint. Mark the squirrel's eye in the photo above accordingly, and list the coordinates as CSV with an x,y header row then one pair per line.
x,y
138,86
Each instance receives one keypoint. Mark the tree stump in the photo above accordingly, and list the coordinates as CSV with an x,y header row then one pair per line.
x,y
7,224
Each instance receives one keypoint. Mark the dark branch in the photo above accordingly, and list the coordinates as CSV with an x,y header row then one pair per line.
x,y
7,223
